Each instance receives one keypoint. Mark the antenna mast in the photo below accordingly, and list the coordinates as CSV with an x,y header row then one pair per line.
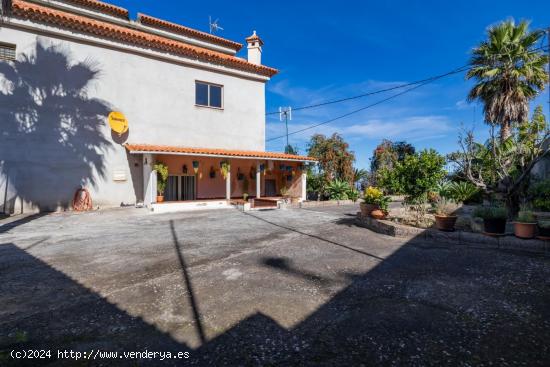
x,y
214,27
285,112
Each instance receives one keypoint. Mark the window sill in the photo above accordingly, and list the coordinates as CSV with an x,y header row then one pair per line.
x,y
209,107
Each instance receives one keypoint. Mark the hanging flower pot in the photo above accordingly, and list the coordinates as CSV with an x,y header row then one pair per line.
x,y
196,166
212,172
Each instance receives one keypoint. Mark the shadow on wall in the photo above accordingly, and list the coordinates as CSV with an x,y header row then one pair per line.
x,y
51,140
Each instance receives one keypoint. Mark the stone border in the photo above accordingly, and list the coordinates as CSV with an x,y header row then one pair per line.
x,y
393,229
315,204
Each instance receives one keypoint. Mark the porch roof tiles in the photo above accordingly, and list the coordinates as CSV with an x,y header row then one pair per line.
x,y
163,149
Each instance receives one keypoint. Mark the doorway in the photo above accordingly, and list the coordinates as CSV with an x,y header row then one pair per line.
x,y
270,188
180,188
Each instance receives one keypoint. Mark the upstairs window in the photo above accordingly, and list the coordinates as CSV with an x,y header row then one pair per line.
x,y
7,51
209,95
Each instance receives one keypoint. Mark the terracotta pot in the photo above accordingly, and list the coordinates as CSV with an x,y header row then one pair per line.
x,y
494,225
524,230
160,198
366,209
445,222
378,214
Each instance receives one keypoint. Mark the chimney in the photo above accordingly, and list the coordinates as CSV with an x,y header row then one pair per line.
x,y
254,49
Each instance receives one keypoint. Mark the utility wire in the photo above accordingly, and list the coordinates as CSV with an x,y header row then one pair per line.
x,y
458,70
416,84
426,81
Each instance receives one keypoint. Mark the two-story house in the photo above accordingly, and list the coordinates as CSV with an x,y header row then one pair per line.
x,y
90,98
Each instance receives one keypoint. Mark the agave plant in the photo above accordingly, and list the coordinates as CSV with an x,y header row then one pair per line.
x,y
462,191
338,190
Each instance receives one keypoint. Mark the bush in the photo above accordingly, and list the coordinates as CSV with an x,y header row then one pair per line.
x,y
416,176
540,195
353,195
462,191
383,203
162,177
372,194
526,216
445,207
490,212
338,190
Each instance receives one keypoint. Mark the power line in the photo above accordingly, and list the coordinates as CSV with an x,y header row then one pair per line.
x,y
427,81
458,70
417,84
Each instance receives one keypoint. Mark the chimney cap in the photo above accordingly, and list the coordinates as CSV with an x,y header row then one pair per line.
x,y
254,38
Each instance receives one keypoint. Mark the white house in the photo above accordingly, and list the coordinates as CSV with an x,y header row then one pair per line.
x,y
91,98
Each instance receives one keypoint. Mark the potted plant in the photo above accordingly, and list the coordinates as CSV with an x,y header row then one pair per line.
x,y
494,218
382,205
525,224
544,228
162,179
444,214
370,199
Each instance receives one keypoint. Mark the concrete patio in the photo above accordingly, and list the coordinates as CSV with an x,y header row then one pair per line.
x,y
281,287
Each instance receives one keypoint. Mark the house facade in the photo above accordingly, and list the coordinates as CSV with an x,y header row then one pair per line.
x,y
90,98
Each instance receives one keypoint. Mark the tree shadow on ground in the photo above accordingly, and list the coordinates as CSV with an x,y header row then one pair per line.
x,y
51,141
421,305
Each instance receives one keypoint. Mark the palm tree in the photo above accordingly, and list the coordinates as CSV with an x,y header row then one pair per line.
x,y
509,71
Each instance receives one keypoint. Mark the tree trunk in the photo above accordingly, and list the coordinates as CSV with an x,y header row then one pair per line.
x,y
505,131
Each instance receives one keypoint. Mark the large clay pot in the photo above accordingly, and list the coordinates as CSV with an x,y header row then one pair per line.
x,y
160,198
378,214
445,222
524,230
494,225
366,209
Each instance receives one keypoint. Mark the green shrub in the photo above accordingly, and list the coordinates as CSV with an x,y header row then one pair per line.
x,y
383,203
540,195
338,190
162,177
353,195
491,212
416,175
526,217
462,191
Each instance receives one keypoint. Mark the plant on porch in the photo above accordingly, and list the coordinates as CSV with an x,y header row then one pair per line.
x,y
162,179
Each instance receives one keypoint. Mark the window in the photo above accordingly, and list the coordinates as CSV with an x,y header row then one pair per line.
x,y
210,95
7,51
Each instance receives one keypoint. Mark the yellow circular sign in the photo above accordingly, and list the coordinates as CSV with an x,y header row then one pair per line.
x,y
118,122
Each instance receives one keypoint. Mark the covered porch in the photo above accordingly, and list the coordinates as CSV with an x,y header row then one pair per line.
x,y
201,178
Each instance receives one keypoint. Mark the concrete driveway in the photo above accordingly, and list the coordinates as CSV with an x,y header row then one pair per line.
x,y
287,287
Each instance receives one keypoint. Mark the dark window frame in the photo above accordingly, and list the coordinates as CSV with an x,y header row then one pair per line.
x,y
209,100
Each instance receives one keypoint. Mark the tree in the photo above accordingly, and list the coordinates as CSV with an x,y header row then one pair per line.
x,y
504,168
385,156
335,160
360,176
509,71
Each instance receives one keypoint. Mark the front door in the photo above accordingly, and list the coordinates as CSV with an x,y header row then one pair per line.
x,y
270,188
180,188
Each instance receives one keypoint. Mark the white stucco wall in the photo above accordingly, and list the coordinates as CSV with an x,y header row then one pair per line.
x,y
158,99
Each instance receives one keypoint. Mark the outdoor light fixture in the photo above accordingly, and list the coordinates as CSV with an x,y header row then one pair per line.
x,y
196,166
184,169
262,167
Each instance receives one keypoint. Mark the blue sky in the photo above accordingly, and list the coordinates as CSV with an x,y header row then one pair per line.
x,y
326,50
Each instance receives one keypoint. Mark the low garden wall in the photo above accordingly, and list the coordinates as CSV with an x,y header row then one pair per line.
x,y
390,228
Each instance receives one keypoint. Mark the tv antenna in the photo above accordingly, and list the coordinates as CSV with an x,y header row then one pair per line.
x,y
214,27
286,114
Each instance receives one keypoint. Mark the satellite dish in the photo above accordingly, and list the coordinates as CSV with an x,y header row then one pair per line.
x,y
214,27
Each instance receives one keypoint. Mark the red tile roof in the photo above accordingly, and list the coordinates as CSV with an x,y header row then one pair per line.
x,y
186,31
215,152
101,7
35,12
